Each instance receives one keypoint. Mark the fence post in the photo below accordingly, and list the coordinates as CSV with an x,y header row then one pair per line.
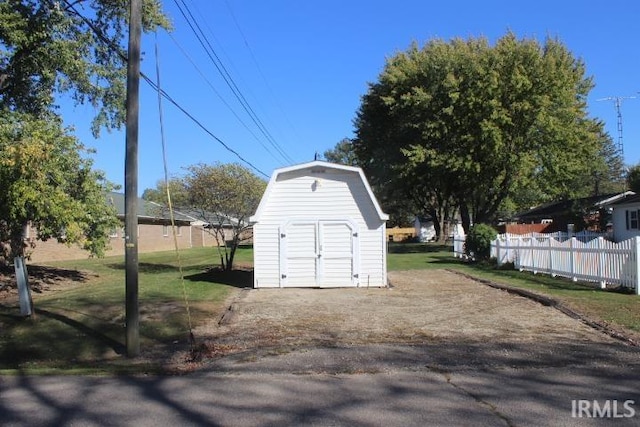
x,y
601,261
636,248
518,263
572,266
550,257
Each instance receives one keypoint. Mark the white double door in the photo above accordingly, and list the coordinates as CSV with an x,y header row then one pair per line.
x,y
318,254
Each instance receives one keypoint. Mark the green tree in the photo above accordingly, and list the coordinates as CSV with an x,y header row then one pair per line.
x,y
469,125
69,47
633,178
47,183
608,175
158,195
342,153
50,49
223,196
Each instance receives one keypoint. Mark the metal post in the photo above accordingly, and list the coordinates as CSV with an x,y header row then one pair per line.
x,y
131,181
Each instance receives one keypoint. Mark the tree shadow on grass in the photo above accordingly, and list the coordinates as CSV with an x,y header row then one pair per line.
x,y
117,346
238,277
43,277
146,267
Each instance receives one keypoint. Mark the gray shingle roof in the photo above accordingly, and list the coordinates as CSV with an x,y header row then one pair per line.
x,y
147,210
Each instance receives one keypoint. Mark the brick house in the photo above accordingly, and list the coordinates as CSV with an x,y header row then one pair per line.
x,y
154,233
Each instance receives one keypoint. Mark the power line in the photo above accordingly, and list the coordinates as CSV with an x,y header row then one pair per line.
x,y
196,121
255,61
215,59
226,76
204,77
113,46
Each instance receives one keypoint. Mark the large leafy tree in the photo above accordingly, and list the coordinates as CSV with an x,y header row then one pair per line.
x,y
468,125
223,196
51,49
47,183
73,47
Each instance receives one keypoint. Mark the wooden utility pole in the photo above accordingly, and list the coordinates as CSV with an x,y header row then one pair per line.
x,y
131,181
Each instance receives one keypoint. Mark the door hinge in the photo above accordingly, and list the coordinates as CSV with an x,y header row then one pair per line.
x,y
356,276
355,234
282,235
284,276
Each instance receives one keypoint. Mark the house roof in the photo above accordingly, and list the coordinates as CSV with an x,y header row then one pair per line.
x,y
552,209
146,209
631,198
211,218
318,164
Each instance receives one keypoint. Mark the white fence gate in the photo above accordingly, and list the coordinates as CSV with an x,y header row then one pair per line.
x,y
588,257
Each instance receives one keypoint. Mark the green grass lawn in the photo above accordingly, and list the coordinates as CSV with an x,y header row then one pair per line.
x,y
79,327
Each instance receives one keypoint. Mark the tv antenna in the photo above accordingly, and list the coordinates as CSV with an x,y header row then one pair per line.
x,y
617,102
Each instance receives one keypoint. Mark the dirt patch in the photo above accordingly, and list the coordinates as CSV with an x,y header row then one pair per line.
x,y
420,307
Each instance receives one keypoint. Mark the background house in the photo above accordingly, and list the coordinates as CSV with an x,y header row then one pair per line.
x,y
587,213
625,219
319,225
154,233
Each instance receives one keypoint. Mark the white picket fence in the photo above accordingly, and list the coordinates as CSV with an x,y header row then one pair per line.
x,y
586,257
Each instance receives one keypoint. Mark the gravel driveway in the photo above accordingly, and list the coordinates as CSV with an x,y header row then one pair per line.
x,y
420,307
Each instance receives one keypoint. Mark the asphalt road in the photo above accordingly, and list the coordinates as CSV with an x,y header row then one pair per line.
x,y
385,385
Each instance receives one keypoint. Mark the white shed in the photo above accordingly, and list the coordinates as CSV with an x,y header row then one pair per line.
x,y
319,225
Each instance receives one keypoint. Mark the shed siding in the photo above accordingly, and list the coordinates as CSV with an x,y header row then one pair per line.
x,y
267,265
302,195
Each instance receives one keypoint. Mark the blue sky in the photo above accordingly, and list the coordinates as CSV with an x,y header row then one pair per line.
x,y
302,67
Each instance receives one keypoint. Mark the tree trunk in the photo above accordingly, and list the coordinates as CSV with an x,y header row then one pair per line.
x,y
465,217
17,243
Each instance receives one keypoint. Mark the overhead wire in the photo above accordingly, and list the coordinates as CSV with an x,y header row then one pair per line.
x,y
204,128
204,77
257,64
205,23
113,46
226,76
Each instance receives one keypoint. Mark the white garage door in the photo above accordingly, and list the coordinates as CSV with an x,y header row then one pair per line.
x,y
318,254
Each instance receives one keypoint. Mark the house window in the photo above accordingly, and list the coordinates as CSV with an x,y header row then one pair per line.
x,y
113,233
165,230
632,219
178,231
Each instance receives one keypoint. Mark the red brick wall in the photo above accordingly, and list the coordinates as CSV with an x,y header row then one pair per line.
x,y
151,238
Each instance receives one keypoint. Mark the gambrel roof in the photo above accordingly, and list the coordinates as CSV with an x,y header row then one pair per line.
x,y
317,166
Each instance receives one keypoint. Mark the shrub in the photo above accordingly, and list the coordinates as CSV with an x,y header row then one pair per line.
x,y
478,241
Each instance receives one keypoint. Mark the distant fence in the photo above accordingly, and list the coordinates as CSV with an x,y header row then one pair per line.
x,y
581,256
